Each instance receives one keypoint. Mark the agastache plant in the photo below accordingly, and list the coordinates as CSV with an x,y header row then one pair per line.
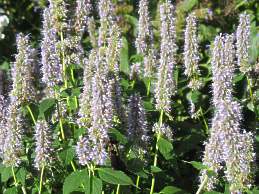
x,y
242,43
23,88
228,143
165,86
191,53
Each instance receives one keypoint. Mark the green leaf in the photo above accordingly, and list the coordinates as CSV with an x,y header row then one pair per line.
x,y
155,169
165,147
46,107
172,190
250,106
194,96
124,56
12,190
239,77
198,165
187,5
118,136
21,175
67,155
212,192
75,181
6,173
114,176
94,186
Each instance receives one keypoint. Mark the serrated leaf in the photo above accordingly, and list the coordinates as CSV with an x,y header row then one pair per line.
x,y
75,181
165,147
114,176
67,155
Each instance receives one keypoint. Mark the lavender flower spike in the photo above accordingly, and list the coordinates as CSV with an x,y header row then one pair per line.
x,y
43,145
191,53
23,88
13,140
144,42
137,123
105,8
83,8
243,42
51,64
165,86
3,120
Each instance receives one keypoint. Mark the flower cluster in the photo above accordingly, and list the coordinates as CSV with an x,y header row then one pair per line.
x,y
191,53
100,100
165,86
43,148
228,143
13,147
23,89
3,120
51,63
144,42
242,44
83,8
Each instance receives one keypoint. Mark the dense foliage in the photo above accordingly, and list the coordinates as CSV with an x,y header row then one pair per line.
x,y
129,96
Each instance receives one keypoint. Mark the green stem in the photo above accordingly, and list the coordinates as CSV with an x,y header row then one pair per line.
x,y
72,75
137,182
148,86
156,152
73,166
118,189
14,177
202,185
32,116
41,178
61,129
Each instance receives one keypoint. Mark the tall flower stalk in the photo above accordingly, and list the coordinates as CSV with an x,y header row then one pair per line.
x,y
165,86
228,143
